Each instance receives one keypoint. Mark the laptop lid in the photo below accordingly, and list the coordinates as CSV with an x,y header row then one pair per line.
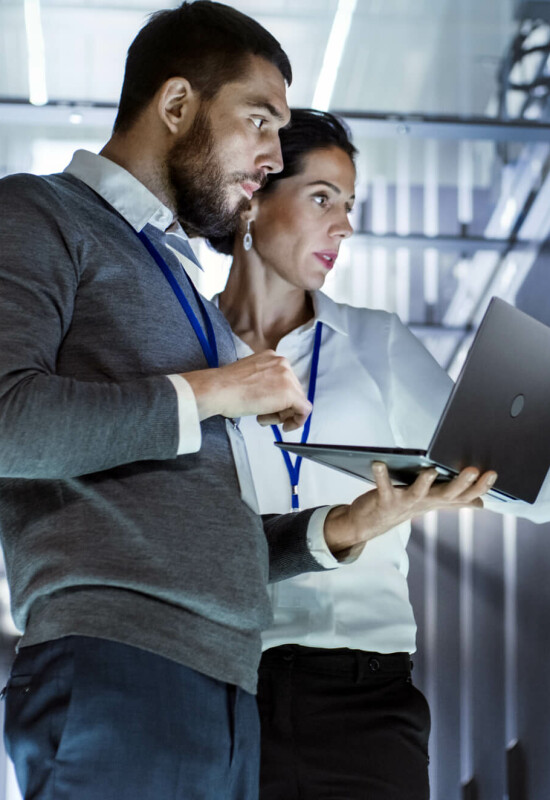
x,y
498,415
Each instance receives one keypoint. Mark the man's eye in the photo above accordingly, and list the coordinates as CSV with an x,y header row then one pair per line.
x,y
258,122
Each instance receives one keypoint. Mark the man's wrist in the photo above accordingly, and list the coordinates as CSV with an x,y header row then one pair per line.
x,y
207,391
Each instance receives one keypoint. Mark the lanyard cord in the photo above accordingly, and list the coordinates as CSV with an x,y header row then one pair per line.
x,y
208,342
294,469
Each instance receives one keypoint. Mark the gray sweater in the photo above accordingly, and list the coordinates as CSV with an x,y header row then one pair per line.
x,y
106,531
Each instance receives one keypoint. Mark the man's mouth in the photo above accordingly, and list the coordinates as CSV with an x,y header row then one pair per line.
x,y
249,188
326,257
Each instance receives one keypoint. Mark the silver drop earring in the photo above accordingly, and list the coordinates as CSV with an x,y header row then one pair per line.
x,y
247,238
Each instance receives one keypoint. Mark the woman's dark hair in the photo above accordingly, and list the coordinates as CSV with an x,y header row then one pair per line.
x,y
308,130
207,43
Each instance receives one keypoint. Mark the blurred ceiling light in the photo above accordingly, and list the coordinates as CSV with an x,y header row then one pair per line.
x,y
431,187
509,214
507,275
75,119
431,276
461,269
333,54
38,94
403,181
533,111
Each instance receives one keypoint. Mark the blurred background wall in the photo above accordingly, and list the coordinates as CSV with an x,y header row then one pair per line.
x,y
448,101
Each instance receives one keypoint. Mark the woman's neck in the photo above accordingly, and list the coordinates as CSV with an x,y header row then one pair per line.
x,y
261,307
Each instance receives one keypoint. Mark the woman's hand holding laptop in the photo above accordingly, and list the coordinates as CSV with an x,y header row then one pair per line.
x,y
348,528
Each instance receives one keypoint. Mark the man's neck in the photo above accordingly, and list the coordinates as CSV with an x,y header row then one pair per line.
x,y
260,307
128,151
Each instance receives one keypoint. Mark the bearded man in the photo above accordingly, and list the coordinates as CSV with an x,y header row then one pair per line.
x,y
137,562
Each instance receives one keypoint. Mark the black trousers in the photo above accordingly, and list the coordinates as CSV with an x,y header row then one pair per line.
x,y
341,725
90,719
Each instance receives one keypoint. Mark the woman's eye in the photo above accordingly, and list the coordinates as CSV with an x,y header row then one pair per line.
x,y
321,199
258,122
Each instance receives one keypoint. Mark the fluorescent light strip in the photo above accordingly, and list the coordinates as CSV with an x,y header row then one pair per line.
x,y
38,94
333,54
403,204
431,276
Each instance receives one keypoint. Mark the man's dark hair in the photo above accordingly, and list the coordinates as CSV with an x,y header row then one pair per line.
x,y
207,43
307,131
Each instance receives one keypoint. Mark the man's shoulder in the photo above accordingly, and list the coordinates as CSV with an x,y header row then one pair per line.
x,y
22,183
58,199
39,188
45,187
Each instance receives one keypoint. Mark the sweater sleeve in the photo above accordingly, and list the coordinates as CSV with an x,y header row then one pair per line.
x,y
51,425
287,539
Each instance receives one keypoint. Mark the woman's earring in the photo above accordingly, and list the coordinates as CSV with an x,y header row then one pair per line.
x,y
247,238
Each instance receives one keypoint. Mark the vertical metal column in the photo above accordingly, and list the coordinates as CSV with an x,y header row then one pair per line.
x,y
466,546
430,628
515,779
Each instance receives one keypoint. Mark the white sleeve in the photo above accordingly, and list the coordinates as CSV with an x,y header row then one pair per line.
x,y
316,539
188,415
317,544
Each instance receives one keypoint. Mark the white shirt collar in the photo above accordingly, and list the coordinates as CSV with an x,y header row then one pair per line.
x,y
122,190
329,312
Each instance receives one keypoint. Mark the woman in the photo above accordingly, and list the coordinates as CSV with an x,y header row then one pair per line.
x,y
340,715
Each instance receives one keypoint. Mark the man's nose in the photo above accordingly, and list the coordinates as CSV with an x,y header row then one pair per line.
x,y
272,159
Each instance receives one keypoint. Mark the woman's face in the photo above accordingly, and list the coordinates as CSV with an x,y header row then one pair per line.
x,y
300,224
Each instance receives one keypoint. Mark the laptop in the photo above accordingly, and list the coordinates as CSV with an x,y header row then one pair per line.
x,y
497,416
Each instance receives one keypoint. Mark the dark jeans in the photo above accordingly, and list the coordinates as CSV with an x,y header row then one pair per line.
x,y
341,725
90,719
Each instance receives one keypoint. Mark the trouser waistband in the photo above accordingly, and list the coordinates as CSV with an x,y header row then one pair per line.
x,y
341,660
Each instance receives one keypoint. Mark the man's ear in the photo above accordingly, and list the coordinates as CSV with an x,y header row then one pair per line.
x,y
177,104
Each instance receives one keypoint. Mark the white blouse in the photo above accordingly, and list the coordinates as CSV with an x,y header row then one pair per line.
x,y
376,385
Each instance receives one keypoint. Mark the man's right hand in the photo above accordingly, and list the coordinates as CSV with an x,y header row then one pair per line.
x,y
262,384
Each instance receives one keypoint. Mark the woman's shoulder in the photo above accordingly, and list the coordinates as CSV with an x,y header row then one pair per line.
x,y
355,321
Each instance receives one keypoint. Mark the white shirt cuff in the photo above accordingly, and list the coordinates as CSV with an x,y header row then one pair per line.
x,y
189,424
316,539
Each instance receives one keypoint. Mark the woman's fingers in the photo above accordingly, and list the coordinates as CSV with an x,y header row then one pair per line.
x,y
383,482
467,486
422,485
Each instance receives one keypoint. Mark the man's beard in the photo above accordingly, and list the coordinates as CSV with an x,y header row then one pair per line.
x,y
199,185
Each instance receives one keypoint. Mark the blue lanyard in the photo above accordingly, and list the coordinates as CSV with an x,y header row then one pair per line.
x,y
208,342
294,469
